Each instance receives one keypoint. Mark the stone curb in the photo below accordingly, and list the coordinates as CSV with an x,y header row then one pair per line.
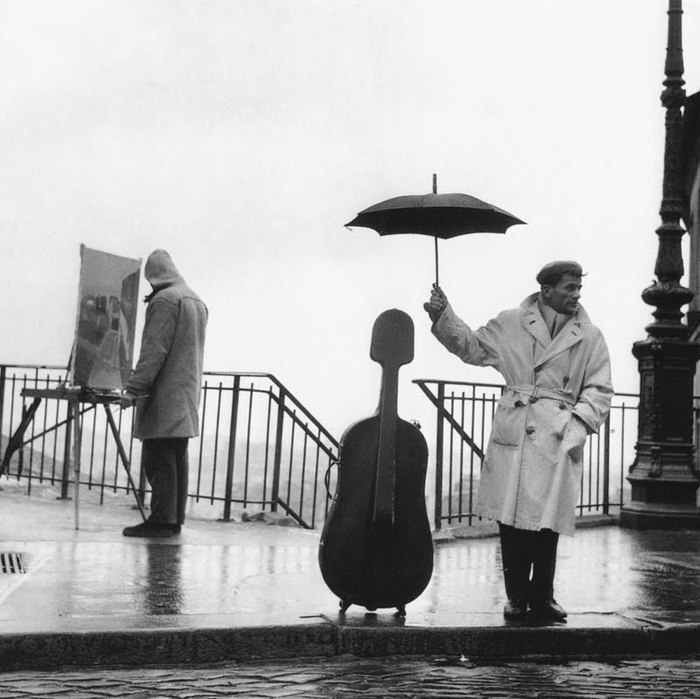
x,y
517,643
162,646
50,651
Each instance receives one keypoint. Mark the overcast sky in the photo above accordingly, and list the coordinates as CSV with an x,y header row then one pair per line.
x,y
241,135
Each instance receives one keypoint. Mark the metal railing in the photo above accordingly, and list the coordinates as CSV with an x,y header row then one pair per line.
x,y
259,447
464,413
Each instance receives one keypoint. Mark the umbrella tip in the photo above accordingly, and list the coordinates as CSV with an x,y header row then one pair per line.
x,y
434,183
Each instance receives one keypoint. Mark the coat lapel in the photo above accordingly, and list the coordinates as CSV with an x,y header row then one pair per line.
x,y
534,323
568,336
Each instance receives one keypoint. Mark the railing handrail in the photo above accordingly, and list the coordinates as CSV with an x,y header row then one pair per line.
x,y
61,367
502,385
287,392
460,383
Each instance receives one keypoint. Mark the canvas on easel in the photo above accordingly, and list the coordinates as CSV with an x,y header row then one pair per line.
x,y
103,348
105,329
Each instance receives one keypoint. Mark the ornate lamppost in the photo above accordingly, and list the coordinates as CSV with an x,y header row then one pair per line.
x,y
663,478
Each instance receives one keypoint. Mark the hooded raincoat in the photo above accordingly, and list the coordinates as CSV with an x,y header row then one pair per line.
x,y
557,392
168,374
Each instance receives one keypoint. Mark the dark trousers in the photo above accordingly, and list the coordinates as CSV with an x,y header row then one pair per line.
x,y
166,465
524,552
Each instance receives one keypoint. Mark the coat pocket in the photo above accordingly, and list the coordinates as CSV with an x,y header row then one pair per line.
x,y
509,422
575,439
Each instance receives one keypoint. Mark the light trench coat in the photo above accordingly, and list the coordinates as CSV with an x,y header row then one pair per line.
x,y
557,392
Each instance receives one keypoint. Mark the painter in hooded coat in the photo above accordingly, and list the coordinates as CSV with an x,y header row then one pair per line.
x,y
558,391
168,374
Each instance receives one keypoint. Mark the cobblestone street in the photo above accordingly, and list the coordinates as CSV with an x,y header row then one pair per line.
x,y
353,677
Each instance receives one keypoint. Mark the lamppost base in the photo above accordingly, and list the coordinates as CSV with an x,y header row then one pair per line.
x,y
659,516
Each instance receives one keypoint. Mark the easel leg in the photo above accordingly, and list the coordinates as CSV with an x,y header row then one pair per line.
x,y
124,458
17,438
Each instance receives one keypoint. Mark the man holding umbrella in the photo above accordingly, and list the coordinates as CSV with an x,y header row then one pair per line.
x,y
558,390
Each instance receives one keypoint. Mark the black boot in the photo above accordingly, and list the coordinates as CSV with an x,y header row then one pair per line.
x,y
516,572
543,606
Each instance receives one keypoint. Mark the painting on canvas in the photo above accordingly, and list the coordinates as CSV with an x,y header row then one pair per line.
x,y
106,323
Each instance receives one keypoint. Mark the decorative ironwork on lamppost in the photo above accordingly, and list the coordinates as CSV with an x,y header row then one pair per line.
x,y
663,478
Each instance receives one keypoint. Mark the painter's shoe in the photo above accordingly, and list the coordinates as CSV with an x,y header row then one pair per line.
x,y
155,530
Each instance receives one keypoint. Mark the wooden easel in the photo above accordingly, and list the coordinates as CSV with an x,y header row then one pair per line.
x,y
119,278
75,397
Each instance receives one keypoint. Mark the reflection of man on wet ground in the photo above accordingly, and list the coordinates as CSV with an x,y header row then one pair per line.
x,y
558,390
162,587
166,386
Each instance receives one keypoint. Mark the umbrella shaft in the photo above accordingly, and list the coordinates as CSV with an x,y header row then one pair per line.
x,y
437,275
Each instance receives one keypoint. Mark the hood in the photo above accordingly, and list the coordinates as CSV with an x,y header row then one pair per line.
x,y
160,270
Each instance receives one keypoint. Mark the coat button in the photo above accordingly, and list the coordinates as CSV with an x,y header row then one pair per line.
x,y
530,429
562,406
519,404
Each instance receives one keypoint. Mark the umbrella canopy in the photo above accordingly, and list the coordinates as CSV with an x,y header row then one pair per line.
x,y
438,215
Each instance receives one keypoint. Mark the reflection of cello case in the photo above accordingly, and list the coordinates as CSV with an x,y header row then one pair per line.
x,y
376,547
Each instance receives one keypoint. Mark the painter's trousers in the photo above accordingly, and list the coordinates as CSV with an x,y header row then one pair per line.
x,y
166,465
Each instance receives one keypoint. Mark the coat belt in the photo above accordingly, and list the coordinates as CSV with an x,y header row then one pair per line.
x,y
533,393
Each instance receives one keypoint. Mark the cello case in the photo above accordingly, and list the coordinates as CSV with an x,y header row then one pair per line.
x,y
376,546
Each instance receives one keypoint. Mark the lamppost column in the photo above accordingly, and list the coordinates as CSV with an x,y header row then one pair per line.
x,y
664,482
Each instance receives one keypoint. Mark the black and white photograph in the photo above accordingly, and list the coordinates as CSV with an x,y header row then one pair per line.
x,y
350,348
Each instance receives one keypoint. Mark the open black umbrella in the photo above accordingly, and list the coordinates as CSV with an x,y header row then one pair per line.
x,y
439,215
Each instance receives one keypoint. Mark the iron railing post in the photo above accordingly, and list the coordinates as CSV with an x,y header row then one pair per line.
x,y
142,483
231,448
277,464
606,466
67,446
3,376
439,431
696,435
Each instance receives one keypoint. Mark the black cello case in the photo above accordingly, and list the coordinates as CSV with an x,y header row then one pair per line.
x,y
376,547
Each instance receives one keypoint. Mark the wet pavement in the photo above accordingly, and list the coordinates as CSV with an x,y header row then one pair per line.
x,y
252,590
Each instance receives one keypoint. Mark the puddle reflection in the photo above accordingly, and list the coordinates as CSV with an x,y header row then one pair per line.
x,y
162,589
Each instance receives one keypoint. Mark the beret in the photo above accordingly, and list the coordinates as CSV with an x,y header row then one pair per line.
x,y
553,271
